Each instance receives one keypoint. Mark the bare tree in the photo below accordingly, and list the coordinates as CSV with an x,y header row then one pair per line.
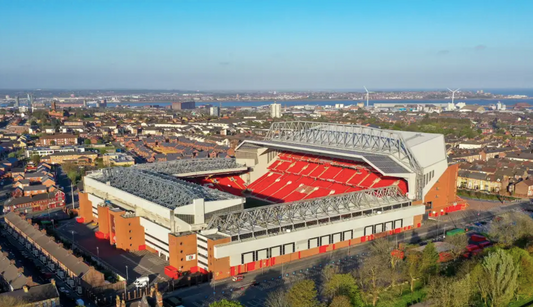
x,y
458,242
277,298
450,292
508,228
372,277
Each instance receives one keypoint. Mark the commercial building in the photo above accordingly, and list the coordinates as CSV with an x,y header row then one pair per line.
x,y
313,188
214,111
81,158
275,110
189,105
58,139
118,159
45,151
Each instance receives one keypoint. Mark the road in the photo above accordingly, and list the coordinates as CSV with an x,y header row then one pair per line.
x,y
347,259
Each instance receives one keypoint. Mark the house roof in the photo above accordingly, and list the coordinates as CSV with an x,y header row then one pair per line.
x,y
58,136
37,187
75,265
11,274
27,199
35,294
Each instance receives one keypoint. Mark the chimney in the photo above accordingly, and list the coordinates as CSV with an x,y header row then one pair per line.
x,y
36,226
30,282
53,281
26,288
158,298
117,301
12,261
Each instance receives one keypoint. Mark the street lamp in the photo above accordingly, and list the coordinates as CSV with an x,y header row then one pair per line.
x,y
444,227
126,283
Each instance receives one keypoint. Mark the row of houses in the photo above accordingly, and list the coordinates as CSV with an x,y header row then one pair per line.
x,y
73,270
500,175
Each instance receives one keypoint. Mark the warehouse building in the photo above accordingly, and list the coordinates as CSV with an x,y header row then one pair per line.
x,y
307,188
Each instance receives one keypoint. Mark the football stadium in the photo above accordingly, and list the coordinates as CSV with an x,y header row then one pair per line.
x,y
306,188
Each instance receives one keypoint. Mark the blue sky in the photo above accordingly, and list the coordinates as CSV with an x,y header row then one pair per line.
x,y
265,44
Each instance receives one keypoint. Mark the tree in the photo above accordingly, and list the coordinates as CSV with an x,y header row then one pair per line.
x,y
459,242
496,278
508,228
523,260
343,285
383,248
430,264
372,277
340,301
36,159
87,142
52,143
450,292
303,294
413,268
225,303
277,298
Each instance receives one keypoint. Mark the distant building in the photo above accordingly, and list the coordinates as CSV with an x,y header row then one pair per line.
x,y
275,110
214,111
58,139
189,105
17,102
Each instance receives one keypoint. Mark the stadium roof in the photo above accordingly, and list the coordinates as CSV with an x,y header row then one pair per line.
x,y
164,190
294,215
192,167
371,143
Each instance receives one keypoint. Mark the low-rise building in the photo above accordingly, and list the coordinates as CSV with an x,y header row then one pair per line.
x,y
118,159
38,202
34,296
524,188
58,139
82,158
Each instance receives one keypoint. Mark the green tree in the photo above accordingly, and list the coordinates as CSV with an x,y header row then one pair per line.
x,y
225,303
340,301
496,278
36,159
303,294
343,285
430,264
52,143
277,298
450,292
413,268
87,142
523,260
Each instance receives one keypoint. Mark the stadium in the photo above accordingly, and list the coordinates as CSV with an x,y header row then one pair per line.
x,y
306,188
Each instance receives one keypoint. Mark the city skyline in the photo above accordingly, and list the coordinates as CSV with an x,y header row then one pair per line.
x,y
209,45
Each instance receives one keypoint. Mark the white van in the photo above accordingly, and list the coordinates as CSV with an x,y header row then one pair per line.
x,y
142,282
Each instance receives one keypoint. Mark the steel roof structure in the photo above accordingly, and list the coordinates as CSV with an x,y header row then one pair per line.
x,y
192,166
294,215
362,140
161,189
